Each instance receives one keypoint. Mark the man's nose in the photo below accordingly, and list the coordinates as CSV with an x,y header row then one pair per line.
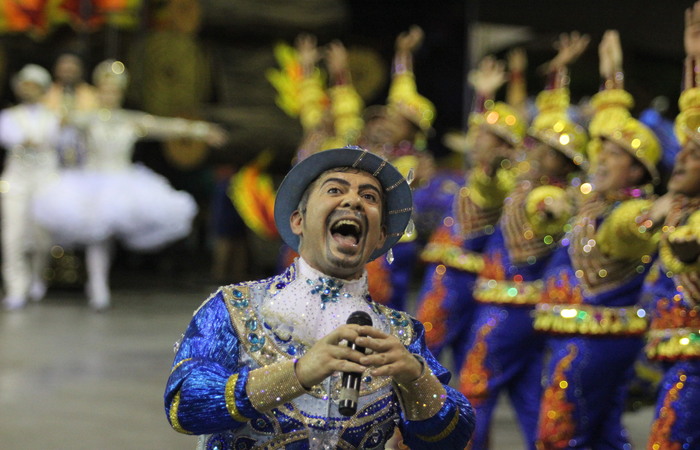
x,y
352,200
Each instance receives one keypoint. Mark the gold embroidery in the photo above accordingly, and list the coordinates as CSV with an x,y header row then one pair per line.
x,y
422,398
395,185
508,292
379,169
273,385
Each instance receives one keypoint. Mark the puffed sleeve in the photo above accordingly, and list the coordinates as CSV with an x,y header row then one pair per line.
x,y
206,390
548,209
625,233
690,231
433,415
490,192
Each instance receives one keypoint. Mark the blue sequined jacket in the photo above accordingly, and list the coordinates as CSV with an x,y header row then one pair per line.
x,y
233,383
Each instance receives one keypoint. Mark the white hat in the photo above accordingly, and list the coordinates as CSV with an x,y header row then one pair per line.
x,y
32,73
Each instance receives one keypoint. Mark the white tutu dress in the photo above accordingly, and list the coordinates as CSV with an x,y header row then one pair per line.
x,y
111,197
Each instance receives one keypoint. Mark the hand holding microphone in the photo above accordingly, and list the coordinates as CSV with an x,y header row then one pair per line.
x,y
389,357
350,389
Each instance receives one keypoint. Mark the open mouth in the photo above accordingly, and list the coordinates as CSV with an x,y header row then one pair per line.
x,y
347,232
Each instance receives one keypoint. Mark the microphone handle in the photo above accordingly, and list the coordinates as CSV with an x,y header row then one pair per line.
x,y
350,389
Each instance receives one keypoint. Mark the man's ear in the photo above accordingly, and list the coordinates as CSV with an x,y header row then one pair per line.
x,y
295,222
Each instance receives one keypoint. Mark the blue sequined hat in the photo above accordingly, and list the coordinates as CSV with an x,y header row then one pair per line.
x,y
397,192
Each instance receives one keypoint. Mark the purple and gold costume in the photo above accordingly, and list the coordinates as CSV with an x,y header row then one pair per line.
x,y
233,381
674,336
504,351
453,257
453,253
589,307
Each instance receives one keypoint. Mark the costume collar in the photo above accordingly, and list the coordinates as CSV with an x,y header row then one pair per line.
x,y
314,304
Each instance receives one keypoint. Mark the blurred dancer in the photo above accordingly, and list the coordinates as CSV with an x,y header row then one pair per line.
x,y
69,92
503,351
112,197
28,132
453,253
593,282
675,319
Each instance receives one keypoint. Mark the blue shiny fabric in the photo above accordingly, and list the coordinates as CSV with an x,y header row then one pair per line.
x,y
211,353
676,421
457,301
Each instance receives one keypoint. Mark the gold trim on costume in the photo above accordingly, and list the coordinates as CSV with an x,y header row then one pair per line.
x,y
508,292
590,320
422,398
172,414
230,397
179,364
359,158
395,185
379,169
444,433
673,344
273,385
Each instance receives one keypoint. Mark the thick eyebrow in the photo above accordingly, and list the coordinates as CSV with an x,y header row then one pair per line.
x,y
347,183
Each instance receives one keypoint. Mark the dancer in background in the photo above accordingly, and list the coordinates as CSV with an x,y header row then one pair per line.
x,y
28,132
111,197
675,315
68,93
453,254
593,281
503,353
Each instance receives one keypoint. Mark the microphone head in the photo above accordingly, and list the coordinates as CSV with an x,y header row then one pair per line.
x,y
359,318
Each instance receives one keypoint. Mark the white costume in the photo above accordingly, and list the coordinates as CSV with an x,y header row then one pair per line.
x,y
113,198
28,133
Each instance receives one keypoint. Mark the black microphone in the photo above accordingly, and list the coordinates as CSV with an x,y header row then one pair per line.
x,y
350,389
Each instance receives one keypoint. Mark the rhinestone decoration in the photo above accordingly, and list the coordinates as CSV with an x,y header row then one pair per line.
x,y
390,256
328,289
410,228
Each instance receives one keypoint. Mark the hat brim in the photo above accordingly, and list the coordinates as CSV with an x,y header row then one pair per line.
x,y
651,168
575,157
397,193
